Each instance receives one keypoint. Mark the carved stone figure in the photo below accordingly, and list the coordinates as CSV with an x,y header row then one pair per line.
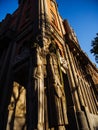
x,y
56,95
17,108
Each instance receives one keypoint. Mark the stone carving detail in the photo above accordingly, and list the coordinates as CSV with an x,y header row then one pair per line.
x,y
17,108
56,96
63,63
49,101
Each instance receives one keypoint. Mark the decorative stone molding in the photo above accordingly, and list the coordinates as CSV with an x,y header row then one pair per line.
x,y
64,64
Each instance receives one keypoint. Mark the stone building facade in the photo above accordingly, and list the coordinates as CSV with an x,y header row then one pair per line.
x,y
46,81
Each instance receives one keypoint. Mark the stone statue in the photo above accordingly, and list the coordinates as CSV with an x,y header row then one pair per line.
x,y
39,88
17,108
56,94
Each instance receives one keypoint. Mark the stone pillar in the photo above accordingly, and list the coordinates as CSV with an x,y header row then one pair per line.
x,y
90,98
78,84
82,121
75,106
80,88
74,87
94,98
80,114
38,89
88,118
46,8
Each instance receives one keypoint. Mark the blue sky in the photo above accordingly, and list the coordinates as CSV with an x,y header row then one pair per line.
x,y
81,14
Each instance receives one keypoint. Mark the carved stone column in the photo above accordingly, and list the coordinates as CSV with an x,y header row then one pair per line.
x,y
39,88
82,121
73,86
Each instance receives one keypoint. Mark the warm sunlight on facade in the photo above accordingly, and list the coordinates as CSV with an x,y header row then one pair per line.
x,y
47,82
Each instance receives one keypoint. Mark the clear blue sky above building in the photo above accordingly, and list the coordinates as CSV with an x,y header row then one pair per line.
x,y
81,14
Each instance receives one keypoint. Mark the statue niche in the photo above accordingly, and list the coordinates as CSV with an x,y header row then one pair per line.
x,y
56,94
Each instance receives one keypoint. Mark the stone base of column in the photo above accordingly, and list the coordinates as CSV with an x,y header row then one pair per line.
x,y
82,121
92,119
40,126
61,128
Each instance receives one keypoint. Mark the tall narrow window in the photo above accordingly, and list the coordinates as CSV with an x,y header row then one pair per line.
x,y
53,17
52,3
54,20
